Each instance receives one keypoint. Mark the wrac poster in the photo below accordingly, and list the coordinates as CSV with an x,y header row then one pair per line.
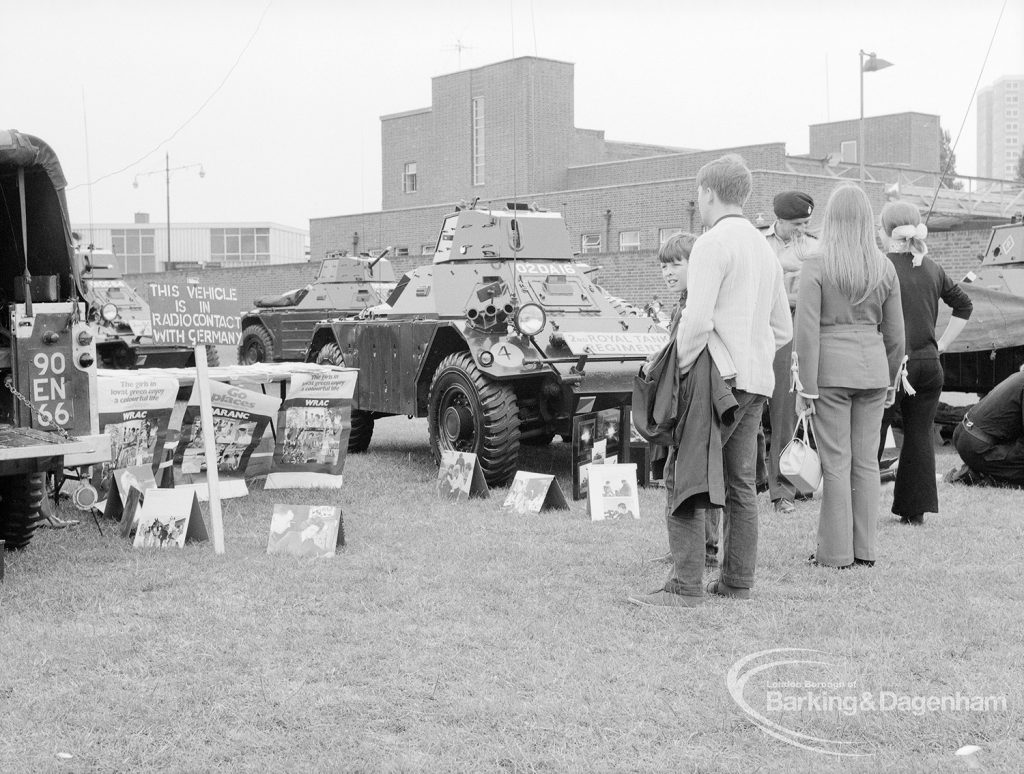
x,y
134,410
240,417
313,430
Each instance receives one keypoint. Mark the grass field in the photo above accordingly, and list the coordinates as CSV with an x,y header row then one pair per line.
x,y
456,637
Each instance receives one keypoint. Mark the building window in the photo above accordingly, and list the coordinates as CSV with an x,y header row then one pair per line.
x,y
240,246
590,243
427,249
1012,98
1012,112
848,151
1012,140
1012,127
1012,84
134,249
629,241
401,251
409,178
478,141
665,234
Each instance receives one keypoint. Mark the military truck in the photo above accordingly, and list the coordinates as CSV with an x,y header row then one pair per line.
x,y
120,318
48,417
991,347
500,341
280,327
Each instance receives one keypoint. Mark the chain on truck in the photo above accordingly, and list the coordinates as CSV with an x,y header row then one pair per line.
x,y
48,416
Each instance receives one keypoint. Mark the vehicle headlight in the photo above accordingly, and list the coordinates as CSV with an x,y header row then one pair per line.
x,y
109,312
530,319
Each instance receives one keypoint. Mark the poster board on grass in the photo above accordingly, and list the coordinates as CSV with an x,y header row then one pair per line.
x,y
597,439
613,493
460,477
169,517
533,493
313,429
306,530
240,417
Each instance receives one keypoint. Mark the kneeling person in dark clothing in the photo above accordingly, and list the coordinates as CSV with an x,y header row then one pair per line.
x,y
990,439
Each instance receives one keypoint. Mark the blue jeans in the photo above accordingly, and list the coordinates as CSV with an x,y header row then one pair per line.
x,y
687,532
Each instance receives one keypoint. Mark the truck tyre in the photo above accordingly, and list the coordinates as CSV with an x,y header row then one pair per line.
x,y
256,346
362,421
469,412
21,501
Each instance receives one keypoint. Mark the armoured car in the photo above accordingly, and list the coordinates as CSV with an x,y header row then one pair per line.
x,y
500,341
48,417
120,318
280,327
991,347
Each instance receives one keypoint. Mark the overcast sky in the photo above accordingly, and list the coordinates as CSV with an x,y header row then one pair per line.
x,y
280,101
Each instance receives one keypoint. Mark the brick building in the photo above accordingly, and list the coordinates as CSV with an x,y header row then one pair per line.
x,y
909,140
506,131
1000,127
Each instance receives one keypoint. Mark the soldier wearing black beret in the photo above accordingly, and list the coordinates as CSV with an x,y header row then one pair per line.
x,y
789,238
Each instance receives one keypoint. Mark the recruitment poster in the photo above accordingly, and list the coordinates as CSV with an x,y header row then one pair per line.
x,y
313,429
134,409
240,417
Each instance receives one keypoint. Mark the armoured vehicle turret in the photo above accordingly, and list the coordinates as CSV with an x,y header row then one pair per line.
x,y
120,318
500,341
991,347
280,327
48,415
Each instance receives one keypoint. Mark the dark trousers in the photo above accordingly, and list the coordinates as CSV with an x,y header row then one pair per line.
x,y
782,410
915,491
1004,462
687,532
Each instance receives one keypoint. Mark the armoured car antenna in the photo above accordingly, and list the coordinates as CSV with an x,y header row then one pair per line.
x,y
952,149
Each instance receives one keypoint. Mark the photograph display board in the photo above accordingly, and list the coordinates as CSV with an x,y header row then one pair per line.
x,y
596,440
134,409
533,493
240,418
612,493
169,517
123,483
313,428
460,477
306,530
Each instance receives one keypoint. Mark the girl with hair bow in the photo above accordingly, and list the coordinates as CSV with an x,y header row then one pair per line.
x,y
922,284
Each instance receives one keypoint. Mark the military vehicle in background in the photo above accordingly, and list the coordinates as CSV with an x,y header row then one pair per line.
x,y
991,346
120,318
500,341
280,327
48,415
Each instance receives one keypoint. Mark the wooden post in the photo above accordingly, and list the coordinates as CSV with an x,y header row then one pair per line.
x,y
210,448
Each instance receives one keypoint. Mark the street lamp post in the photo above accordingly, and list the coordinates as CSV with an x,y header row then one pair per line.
x,y
872,64
167,180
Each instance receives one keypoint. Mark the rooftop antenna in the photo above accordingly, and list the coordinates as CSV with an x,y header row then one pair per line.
x,y
459,47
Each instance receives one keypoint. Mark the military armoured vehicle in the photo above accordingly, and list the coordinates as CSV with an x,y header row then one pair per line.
x,y
991,347
500,341
280,327
48,417
120,318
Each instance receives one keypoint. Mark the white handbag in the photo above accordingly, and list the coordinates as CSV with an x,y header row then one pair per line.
x,y
799,462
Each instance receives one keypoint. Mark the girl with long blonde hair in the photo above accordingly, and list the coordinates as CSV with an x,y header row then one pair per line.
x,y
848,340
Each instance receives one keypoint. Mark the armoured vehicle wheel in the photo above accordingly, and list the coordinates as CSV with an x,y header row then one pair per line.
x,y
362,421
470,412
21,500
256,345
